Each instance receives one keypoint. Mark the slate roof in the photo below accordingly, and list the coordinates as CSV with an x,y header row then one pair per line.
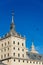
x,y
35,56
2,63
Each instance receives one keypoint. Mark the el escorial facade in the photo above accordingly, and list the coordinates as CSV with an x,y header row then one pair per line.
x,y
13,50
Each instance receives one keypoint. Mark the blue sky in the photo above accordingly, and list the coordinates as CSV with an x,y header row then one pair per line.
x,y
28,20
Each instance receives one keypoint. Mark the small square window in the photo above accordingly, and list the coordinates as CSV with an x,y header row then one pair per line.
x,y
30,62
14,48
33,62
23,60
22,49
14,60
18,49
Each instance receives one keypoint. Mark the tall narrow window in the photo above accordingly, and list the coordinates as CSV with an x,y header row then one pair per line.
x,y
18,55
8,42
8,48
22,44
22,55
1,56
13,42
27,61
19,60
5,43
4,55
8,54
8,60
14,54
18,43
2,45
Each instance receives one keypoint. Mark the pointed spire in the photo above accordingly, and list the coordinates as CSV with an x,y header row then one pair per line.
x,y
33,48
12,26
12,17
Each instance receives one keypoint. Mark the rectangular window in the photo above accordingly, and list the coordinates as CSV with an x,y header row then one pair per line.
x,y
8,60
22,55
2,45
18,49
18,55
8,42
19,60
8,54
8,48
27,61
5,43
14,48
14,54
22,44
22,49
23,60
13,42
18,43
14,60
4,55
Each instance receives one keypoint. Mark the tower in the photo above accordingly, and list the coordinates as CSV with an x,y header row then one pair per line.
x,y
33,48
13,49
12,46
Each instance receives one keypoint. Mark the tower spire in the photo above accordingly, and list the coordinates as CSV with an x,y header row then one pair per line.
x,y
12,17
12,26
33,50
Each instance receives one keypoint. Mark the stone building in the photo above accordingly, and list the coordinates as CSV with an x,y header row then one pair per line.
x,y
13,50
